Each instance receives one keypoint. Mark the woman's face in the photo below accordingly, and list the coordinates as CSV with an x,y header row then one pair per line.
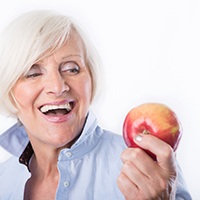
x,y
54,96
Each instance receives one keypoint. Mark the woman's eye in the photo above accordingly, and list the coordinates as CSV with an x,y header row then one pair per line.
x,y
33,72
33,75
71,68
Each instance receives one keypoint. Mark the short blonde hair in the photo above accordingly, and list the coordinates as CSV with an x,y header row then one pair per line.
x,y
27,39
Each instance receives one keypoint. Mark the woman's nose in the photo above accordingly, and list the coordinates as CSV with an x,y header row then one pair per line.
x,y
56,85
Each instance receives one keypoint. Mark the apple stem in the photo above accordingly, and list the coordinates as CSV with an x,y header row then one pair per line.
x,y
145,132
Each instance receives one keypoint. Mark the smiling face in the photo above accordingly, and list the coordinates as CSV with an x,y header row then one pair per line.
x,y
54,96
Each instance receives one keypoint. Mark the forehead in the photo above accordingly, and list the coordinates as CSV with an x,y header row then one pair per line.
x,y
71,47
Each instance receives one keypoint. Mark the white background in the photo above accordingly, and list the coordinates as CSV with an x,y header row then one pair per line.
x,y
150,52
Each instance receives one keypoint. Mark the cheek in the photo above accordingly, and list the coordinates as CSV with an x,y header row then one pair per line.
x,y
87,89
23,95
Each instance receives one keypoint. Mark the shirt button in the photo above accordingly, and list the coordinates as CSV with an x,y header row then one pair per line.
x,y
66,184
68,154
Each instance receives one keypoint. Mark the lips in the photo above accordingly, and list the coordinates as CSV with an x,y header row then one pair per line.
x,y
57,110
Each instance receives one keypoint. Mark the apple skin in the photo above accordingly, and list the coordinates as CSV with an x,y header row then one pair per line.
x,y
152,118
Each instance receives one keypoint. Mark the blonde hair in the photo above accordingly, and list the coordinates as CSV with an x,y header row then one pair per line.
x,y
27,39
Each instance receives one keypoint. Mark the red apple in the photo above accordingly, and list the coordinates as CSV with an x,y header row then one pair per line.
x,y
152,118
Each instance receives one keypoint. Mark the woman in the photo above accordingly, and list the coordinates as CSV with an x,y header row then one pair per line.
x,y
48,79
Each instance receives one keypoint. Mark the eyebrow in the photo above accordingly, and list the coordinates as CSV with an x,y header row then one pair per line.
x,y
81,58
72,55
62,59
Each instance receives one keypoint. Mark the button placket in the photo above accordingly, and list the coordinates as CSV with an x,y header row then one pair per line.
x,y
64,162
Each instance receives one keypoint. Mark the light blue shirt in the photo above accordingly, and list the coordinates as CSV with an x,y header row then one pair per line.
x,y
88,170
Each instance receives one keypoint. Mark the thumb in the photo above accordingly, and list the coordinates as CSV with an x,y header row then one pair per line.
x,y
163,152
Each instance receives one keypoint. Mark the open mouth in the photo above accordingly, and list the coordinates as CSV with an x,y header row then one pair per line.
x,y
57,110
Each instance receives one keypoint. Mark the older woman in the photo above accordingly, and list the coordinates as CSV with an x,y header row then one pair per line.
x,y
48,78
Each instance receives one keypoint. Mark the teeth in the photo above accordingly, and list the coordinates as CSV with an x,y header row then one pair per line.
x,y
47,108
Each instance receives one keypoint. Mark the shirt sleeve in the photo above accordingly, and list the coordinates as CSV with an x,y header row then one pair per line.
x,y
182,192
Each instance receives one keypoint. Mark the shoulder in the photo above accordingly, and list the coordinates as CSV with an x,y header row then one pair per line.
x,y
102,136
13,176
9,167
112,137
111,142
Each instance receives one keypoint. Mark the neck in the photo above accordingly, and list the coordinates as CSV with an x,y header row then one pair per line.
x,y
44,160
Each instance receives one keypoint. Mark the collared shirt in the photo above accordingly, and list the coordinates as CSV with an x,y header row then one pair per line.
x,y
88,170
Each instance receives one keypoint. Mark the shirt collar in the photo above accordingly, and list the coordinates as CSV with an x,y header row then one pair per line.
x,y
14,140
90,124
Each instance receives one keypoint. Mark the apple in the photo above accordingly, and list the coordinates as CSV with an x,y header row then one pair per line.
x,y
156,119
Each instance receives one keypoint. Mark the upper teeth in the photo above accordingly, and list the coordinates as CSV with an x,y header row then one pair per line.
x,y
47,108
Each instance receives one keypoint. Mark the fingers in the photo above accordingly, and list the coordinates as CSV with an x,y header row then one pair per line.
x,y
136,185
138,158
142,172
128,188
164,153
141,176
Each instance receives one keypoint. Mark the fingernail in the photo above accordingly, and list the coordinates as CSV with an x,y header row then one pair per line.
x,y
138,138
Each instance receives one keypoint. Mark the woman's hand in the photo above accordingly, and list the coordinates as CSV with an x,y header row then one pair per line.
x,y
141,177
